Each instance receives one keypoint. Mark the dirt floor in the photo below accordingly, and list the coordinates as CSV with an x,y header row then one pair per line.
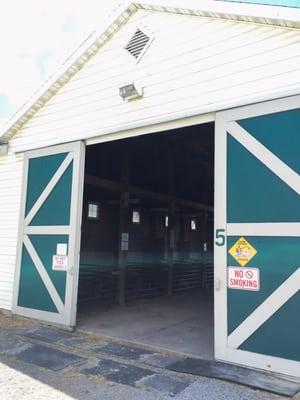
x,y
182,323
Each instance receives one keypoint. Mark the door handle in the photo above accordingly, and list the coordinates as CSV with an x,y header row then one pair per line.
x,y
218,284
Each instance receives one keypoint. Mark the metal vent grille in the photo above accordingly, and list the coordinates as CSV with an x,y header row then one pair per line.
x,y
137,44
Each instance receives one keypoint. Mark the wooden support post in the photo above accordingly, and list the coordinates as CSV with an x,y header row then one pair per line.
x,y
172,239
205,231
171,248
123,234
204,249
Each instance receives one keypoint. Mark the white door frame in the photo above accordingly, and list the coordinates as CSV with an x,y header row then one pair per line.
x,y
223,350
67,316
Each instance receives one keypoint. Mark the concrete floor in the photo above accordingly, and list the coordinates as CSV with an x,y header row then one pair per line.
x,y
182,323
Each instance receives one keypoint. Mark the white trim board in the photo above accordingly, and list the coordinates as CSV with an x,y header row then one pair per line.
x,y
47,230
260,361
40,315
291,229
269,106
153,128
220,256
75,229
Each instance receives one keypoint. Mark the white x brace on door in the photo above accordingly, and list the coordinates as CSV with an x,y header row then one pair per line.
x,y
50,218
257,202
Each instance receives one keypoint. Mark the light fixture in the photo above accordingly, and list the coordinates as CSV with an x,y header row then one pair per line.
x,y
130,92
193,224
136,217
3,149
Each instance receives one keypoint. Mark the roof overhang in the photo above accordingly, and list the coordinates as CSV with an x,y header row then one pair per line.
x,y
253,13
264,14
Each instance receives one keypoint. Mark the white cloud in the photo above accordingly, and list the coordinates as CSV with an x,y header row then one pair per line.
x,y
36,36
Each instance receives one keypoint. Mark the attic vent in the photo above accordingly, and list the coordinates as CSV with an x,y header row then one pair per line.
x,y
138,44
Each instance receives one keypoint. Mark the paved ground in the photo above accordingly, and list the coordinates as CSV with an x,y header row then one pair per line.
x,y
39,363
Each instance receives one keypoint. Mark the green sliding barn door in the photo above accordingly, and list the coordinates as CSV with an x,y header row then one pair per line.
x,y
261,225
47,267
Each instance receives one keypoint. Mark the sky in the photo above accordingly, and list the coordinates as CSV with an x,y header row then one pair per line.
x,y
36,36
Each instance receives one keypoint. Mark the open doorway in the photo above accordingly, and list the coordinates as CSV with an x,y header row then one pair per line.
x,y
146,263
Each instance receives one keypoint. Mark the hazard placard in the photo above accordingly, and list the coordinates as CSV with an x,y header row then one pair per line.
x,y
242,251
243,278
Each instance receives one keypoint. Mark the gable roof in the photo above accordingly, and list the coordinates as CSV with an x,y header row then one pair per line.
x,y
262,14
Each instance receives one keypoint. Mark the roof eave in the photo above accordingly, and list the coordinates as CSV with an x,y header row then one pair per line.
x,y
239,11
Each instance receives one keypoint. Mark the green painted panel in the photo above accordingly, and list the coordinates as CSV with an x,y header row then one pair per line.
x,y
279,336
277,258
56,209
40,171
279,132
32,291
45,246
254,193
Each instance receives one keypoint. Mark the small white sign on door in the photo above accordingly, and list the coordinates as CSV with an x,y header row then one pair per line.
x,y
243,278
59,262
62,249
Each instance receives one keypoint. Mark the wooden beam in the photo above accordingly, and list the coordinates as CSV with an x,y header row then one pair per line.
x,y
123,234
122,187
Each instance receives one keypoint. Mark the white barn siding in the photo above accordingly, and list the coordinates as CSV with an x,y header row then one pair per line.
x,y
11,168
192,62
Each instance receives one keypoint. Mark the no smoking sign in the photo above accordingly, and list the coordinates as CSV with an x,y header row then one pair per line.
x,y
243,278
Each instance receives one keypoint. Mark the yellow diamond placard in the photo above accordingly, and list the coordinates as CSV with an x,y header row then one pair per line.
x,y
242,251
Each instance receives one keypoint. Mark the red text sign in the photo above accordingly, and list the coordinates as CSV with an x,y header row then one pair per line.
x,y
59,263
243,278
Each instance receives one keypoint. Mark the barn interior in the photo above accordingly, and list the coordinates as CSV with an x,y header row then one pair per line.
x,y
146,263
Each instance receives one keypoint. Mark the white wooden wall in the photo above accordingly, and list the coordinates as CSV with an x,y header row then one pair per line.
x,y
11,168
192,62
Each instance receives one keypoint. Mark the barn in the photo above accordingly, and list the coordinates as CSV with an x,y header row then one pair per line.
x,y
149,189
